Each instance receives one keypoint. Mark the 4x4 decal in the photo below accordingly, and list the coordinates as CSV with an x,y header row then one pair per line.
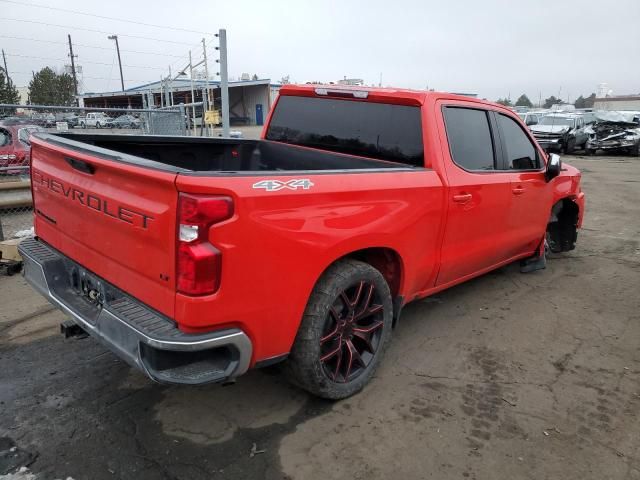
x,y
275,185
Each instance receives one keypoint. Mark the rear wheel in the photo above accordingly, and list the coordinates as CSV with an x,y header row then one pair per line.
x,y
98,125
344,331
635,150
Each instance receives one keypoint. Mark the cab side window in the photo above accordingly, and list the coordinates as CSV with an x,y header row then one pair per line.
x,y
469,137
5,138
520,154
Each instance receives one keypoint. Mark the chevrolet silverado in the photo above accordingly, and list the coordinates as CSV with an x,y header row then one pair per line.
x,y
196,259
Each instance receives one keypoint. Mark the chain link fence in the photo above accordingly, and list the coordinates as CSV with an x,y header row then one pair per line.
x,y
157,121
18,122
16,212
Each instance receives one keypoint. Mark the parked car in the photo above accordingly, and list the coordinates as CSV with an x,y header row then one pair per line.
x,y
40,119
531,118
124,121
72,119
94,120
300,247
563,132
15,146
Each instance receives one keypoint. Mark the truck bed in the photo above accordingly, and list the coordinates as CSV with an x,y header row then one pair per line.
x,y
200,154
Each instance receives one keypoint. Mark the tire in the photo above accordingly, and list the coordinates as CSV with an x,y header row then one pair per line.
x,y
635,150
570,147
344,331
83,125
589,152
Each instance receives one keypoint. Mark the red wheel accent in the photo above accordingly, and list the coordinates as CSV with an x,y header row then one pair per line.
x,y
352,332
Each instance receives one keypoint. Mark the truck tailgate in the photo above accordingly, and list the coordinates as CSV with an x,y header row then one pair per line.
x,y
115,218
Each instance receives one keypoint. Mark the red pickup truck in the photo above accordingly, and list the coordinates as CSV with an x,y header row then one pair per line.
x,y
196,259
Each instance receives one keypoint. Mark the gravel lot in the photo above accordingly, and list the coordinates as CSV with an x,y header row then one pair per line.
x,y
507,376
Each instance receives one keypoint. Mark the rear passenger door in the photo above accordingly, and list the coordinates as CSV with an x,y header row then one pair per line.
x,y
478,193
530,196
581,135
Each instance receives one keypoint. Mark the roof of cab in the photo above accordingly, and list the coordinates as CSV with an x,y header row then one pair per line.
x,y
392,95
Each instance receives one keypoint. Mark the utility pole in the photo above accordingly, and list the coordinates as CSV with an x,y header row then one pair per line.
x,y
73,68
205,105
224,81
170,87
193,99
115,37
161,91
6,72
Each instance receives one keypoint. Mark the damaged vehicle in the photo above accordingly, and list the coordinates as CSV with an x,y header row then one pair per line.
x,y
614,132
563,132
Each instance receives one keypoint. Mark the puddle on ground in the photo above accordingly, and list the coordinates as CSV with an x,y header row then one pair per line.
x,y
212,414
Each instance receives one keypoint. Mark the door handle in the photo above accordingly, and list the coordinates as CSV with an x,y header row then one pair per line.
x,y
80,165
462,198
518,191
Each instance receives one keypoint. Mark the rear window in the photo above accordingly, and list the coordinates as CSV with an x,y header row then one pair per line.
x,y
374,130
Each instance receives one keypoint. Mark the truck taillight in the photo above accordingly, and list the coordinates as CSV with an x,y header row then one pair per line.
x,y
199,263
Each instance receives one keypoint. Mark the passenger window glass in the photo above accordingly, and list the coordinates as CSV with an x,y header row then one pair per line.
x,y
4,138
469,138
520,152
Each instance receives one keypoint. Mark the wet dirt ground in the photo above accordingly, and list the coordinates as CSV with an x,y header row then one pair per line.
x,y
508,376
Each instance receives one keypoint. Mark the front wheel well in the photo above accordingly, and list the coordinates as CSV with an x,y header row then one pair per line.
x,y
562,228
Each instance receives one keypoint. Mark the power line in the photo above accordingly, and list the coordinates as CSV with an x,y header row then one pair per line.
x,y
74,27
196,45
84,61
89,46
22,4
91,78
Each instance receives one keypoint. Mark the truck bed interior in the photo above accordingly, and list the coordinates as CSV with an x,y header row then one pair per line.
x,y
200,154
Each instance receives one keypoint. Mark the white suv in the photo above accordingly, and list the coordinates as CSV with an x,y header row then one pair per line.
x,y
95,119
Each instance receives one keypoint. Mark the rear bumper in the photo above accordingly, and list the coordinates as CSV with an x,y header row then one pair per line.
x,y
138,334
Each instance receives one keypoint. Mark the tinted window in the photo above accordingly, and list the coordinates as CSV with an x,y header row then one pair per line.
x,y
469,138
375,130
4,138
520,153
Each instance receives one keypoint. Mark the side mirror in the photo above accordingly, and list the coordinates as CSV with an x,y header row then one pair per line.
x,y
554,165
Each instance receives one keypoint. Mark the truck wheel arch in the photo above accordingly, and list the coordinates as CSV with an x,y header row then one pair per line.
x,y
388,262
562,227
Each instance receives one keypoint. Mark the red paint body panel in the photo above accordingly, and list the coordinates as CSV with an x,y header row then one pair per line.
x,y
277,244
124,232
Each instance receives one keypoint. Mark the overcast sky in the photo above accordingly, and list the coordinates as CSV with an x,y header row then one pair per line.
x,y
491,47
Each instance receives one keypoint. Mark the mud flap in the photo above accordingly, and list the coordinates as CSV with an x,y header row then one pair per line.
x,y
535,262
